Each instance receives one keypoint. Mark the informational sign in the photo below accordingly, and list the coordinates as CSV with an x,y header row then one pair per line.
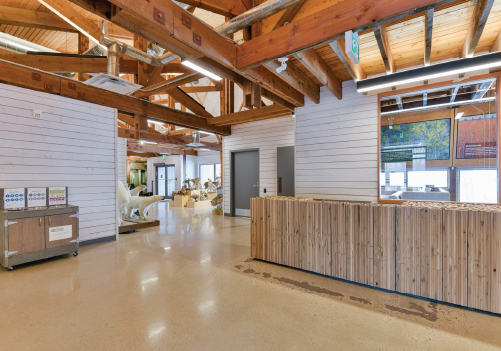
x,y
352,48
164,156
403,154
37,197
60,233
480,150
13,198
57,196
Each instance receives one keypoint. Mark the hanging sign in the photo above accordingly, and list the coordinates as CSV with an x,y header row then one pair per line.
x,y
36,197
57,196
60,233
13,198
351,46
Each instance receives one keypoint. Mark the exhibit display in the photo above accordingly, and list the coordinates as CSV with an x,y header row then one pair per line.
x,y
12,198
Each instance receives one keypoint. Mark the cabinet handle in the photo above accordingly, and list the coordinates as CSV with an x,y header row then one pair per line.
x,y
50,220
40,221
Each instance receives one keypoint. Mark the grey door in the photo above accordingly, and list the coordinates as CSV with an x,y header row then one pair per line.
x,y
285,171
245,181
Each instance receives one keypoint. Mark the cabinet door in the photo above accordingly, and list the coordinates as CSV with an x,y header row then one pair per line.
x,y
60,230
26,235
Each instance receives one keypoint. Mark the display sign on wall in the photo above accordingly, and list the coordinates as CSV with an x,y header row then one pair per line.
x,y
13,198
60,233
401,154
477,138
36,197
57,196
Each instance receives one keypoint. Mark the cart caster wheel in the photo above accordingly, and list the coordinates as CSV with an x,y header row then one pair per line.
x,y
75,253
10,268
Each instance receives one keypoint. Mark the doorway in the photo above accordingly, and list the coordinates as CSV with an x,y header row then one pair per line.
x,y
166,180
285,171
244,181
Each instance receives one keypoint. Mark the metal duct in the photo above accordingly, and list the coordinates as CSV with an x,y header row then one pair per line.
x,y
113,60
195,140
254,15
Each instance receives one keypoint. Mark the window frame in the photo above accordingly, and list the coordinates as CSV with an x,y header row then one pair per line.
x,y
453,141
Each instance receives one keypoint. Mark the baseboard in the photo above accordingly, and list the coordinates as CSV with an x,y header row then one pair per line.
x,y
227,215
104,239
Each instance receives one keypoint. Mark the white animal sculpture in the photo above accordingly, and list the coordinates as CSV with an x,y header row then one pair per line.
x,y
137,190
142,204
212,188
123,199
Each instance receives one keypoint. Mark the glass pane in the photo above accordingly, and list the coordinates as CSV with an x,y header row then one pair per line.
x,y
218,170
161,180
440,144
478,185
206,173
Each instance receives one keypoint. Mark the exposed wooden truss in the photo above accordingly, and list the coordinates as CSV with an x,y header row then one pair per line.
x,y
384,47
477,24
158,149
250,115
33,19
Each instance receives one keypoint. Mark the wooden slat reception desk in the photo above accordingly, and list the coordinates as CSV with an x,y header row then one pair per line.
x,y
446,254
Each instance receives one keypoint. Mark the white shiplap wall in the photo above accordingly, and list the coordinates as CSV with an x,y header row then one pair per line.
x,y
122,159
206,157
73,145
265,135
336,146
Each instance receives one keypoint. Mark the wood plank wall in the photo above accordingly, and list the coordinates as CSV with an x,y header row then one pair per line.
x,y
265,136
73,145
336,146
450,255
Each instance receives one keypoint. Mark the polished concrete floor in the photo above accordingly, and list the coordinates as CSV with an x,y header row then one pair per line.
x,y
190,285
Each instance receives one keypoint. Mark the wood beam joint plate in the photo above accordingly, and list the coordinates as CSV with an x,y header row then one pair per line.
x,y
186,21
197,39
158,15
36,76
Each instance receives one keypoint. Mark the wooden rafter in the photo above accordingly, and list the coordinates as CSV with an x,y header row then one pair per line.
x,y
257,114
33,19
428,30
288,14
227,8
477,24
201,89
383,43
133,147
166,85
355,70
321,70
325,26
190,103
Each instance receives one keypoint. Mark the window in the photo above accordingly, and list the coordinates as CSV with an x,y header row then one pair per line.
x,y
211,171
440,144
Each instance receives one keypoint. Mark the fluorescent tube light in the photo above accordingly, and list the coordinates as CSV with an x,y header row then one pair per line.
x,y
142,142
459,115
428,107
431,72
156,122
200,69
209,133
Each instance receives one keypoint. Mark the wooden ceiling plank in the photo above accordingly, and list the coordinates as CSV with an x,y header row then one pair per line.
x,y
317,66
73,17
477,24
496,46
325,26
33,19
384,48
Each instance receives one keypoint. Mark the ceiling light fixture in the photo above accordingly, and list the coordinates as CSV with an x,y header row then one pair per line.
x,y
459,115
431,72
142,142
428,107
156,122
200,69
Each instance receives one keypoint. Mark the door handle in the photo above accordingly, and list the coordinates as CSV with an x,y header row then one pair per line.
x,y
40,221
50,220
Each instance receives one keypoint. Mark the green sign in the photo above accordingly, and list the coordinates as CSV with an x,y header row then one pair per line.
x,y
164,156
351,47
403,154
355,47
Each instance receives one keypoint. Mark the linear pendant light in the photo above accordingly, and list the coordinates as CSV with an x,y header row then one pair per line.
x,y
200,69
431,72
429,107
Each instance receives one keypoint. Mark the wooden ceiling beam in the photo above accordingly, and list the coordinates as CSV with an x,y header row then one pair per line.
x,y
141,154
14,16
321,70
477,24
201,89
137,148
383,43
73,17
181,131
325,26
21,76
190,103
496,45
355,70
256,114
428,34
296,78
227,8
288,14
166,85
172,34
